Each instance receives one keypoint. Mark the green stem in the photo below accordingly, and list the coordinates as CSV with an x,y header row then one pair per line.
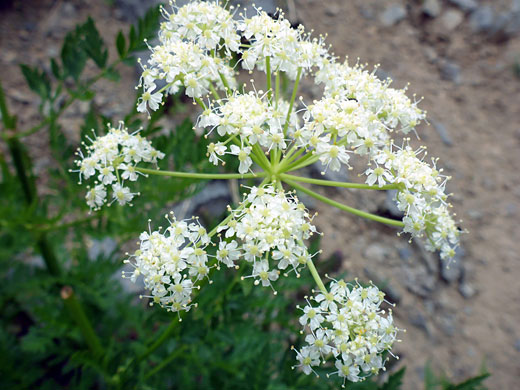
x,y
261,156
291,103
26,180
200,103
162,338
202,176
76,311
337,183
316,276
277,87
343,207
268,72
290,157
9,122
51,262
308,159
165,362
54,227
225,82
214,91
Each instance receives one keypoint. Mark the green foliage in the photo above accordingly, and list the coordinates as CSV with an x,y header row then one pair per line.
x,y
37,81
433,382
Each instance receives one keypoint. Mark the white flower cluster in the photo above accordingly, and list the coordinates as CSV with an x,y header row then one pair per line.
x,y
348,325
112,159
334,126
272,227
421,196
288,49
187,54
207,24
249,119
172,262
391,106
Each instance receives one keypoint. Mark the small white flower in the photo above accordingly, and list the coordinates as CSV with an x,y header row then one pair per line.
x,y
194,87
262,274
106,175
228,252
122,194
308,357
332,156
216,150
129,172
312,317
379,174
149,99
243,157
96,196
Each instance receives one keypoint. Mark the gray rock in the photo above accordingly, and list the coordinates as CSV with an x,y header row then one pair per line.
x,y
382,74
451,19
102,248
515,6
419,280
131,10
331,9
268,6
431,54
426,257
506,25
482,20
405,253
69,10
465,5
448,324
419,320
443,132
511,209
210,202
451,72
391,205
517,345
432,8
318,170
392,15
454,270
475,214
467,290
376,252
367,11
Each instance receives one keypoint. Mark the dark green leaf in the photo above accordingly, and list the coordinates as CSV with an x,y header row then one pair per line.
x,y
72,55
146,29
475,383
121,44
112,74
55,68
84,94
37,81
93,44
395,380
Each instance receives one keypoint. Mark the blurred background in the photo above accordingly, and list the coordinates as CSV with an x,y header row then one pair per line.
x,y
463,57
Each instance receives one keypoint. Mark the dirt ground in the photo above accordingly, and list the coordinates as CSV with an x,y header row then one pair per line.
x,y
456,319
